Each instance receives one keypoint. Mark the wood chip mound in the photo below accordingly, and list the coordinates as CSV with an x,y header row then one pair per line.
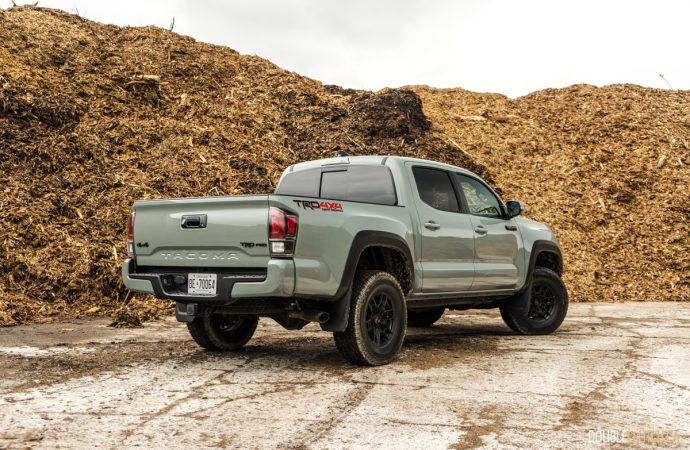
x,y
94,116
607,168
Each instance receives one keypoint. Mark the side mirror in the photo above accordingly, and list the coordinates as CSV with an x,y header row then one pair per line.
x,y
514,208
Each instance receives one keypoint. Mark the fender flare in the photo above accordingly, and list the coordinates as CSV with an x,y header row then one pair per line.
x,y
519,303
338,306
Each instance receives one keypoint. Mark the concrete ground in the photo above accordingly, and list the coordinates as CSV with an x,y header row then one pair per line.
x,y
614,375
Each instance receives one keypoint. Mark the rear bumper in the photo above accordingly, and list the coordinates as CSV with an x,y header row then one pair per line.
x,y
279,281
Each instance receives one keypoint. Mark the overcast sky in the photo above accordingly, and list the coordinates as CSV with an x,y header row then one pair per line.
x,y
512,47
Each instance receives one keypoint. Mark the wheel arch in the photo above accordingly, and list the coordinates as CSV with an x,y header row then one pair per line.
x,y
370,250
543,254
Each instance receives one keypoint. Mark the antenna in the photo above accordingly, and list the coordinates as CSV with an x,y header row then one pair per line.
x,y
661,75
342,153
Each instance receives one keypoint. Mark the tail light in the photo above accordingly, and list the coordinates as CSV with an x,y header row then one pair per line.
x,y
282,232
130,235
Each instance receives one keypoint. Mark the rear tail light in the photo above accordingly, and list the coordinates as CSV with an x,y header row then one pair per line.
x,y
282,232
130,235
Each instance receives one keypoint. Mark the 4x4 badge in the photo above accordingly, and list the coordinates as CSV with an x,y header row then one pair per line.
x,y
323,206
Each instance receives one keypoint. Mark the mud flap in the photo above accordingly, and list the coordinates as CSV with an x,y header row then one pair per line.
x,y
339,311
518,304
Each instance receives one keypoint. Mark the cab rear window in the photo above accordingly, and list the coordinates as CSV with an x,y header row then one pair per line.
x,y
304,183
366,184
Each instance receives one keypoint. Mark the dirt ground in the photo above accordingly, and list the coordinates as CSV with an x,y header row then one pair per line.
x,y
614,372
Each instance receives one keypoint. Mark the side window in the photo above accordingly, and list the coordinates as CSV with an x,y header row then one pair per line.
x,y
303,183
480,200
368,184
435,189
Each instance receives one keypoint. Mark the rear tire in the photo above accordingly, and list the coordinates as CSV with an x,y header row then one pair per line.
x,y
548,305
222,332
377,320
424,318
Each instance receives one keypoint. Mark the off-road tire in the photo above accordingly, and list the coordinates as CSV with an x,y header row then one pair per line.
x,y
357,343
424,318
546,287
219,332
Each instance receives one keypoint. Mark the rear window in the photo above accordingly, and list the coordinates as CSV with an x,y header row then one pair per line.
x,y
304,183
367,184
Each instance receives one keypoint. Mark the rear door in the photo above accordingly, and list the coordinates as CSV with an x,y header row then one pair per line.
x,y
447,238
496,239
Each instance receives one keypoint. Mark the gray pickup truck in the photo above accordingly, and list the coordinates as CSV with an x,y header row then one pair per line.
x,y
365,246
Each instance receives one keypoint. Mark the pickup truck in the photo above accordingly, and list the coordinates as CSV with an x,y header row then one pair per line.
x,y
363,245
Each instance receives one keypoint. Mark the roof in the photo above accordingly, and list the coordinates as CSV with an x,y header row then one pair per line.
x,y
371,160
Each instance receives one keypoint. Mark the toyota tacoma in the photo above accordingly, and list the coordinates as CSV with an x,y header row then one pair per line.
x,y
365,246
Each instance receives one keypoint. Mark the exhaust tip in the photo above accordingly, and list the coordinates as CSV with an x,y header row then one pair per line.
x,y
322,317
311,316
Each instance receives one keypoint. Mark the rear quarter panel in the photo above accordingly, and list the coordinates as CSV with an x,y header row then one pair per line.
x,y
325,236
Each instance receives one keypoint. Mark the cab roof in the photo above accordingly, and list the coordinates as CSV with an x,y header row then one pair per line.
x,y
371,160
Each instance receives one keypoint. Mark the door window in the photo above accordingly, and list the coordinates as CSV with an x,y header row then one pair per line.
x,y
436,189
480,200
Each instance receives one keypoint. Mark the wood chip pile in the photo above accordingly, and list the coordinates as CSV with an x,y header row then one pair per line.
x,y
607,168
93,117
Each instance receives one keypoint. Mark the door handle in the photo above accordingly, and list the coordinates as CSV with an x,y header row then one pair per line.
x,y
431,225
480,230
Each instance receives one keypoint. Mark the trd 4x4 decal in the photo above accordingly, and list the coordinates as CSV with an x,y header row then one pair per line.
x,y
323,206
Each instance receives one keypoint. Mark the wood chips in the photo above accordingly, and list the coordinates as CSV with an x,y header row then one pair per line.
x,y
93,117
607,168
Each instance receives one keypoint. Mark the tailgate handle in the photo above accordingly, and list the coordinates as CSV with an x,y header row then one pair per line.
x,y
194,221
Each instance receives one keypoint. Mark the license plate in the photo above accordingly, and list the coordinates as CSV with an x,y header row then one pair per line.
x,y
202,283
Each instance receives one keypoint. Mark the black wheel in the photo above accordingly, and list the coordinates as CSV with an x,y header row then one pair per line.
x,y
377,322
548,305
424,318
222,332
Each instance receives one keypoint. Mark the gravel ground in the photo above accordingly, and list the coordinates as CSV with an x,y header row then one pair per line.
x,y
614,372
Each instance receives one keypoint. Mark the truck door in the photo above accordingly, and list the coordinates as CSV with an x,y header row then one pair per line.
x,y
447,237
496,239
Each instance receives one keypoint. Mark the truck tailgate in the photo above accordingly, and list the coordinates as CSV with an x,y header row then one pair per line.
x,y
202,232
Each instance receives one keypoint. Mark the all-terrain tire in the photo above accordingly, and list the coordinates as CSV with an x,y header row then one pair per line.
x,y
222,332
424,318
548,305
377,320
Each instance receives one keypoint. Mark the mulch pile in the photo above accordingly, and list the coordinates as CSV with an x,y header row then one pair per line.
x,y
608,168
93,117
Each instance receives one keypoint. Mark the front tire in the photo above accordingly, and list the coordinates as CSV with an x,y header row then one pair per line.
x,y
377,320
222,332
548,305
425,318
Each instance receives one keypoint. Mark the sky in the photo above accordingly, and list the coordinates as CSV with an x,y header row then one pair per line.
x,y
510,47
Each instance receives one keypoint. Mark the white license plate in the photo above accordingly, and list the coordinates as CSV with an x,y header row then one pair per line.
x,y
202,283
